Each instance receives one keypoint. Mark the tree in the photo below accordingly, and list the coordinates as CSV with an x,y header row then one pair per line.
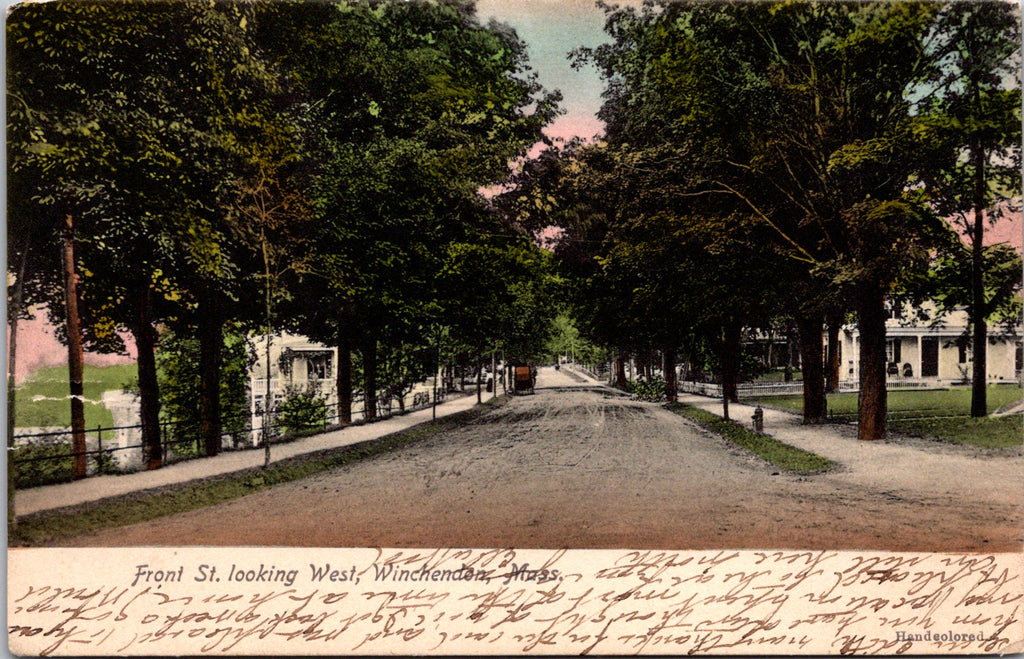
x,y
134,122
781,108
973,111
272,221
411,108
181,384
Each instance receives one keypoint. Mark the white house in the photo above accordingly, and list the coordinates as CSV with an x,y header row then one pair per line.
x,y
935,354
296,365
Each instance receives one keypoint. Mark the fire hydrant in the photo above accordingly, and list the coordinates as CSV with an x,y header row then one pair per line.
x,y
758,419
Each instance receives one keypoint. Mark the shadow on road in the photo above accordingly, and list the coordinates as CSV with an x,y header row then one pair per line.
x,y
602,389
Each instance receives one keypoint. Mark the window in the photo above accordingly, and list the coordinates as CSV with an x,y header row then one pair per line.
x,y
318,366
892,351
964,352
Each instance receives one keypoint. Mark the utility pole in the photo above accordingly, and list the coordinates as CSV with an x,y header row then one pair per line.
x,y
267,302
437,367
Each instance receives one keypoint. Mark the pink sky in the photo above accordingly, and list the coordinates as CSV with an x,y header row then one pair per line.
x,y
39,347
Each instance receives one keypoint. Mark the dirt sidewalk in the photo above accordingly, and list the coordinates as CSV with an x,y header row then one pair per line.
x,y
49,497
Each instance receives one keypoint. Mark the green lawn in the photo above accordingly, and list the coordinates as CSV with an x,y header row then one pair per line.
x,y
942,414
42,399
937,402
778,375
988,432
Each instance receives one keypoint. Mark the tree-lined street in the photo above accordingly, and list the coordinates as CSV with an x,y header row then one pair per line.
x,y
578,464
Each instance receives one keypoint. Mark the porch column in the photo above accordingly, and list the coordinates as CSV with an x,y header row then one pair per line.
x,y
920,359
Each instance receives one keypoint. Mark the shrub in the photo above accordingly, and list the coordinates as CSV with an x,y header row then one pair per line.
x,y
47,464
652,390
303,410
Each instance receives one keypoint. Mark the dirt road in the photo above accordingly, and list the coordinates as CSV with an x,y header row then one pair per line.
x,y
578,465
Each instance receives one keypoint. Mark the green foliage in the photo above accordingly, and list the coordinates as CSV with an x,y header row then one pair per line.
x,y
302,411
435,107
759,162
108,132
946,283
566,341
705,360
652,390
501,297
50,464
179,377
402,366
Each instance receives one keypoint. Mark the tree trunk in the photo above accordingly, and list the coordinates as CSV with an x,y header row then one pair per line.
x,y
872,401
788,371
642,364
344,376
211,355
13,314
479,377
370,378
979,328
76,356
668,368
731,349
809,327
149,391
833,359
620,372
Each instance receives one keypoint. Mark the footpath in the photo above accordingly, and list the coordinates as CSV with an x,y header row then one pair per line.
x,y
837,442
886,464
50,497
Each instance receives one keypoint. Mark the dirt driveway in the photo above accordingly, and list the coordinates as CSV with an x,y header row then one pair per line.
x,y
578,465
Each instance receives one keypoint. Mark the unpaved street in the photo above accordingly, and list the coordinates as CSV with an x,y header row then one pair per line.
x,y
581,466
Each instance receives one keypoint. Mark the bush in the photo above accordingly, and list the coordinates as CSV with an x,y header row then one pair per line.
x,y
303,411
47,464
652,390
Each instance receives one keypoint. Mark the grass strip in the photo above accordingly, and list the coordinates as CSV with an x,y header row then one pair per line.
x,y
766,447
996,432
46,527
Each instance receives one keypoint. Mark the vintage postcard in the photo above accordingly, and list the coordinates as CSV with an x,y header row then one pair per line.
x,y
501,327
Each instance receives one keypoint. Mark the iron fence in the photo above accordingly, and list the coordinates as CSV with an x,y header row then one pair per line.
x,y
44,463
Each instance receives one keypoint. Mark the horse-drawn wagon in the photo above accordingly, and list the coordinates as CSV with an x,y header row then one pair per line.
x,y
524,377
